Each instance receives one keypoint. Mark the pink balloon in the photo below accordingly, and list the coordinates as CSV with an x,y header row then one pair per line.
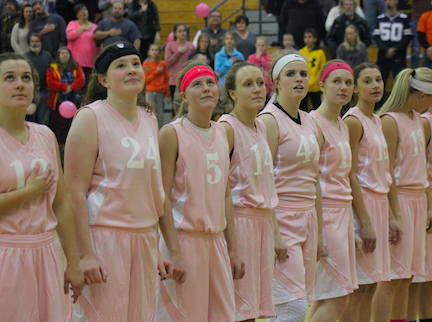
x,y
67,109
202,10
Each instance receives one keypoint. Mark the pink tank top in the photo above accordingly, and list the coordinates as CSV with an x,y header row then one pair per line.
x,y
373,171
126,189
251,168
200,179
16,163
297,156
428,116
335,160
410,163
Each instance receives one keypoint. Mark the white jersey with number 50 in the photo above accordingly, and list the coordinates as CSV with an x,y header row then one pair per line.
x,y
200,179
296,161
126,189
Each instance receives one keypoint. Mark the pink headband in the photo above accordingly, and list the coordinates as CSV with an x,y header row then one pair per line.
x,y
195,72
332,67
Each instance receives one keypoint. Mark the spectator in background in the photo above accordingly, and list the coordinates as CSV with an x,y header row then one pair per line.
x,y
203,51
156,81
106,7
418,7
288,42
7,22
424,33
50,26
392,35
372,9
80,40
65,8
214,30
145,14
352,50
245,39
65,79
299,15
336,12
117,29
41,59
263,60
177,54
20,31
336,34
225,58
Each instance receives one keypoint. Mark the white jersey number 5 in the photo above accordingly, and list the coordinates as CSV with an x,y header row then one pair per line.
x,y
211,165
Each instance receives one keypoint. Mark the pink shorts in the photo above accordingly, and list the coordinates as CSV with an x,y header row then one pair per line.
x,y
255,242
336,273
32,279
295,277
428,266
408,257
130,259
208,292
375,267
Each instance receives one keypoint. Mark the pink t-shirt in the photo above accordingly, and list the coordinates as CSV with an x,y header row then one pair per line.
x,y
175,60
373,171
410,163
82,47
251,167
16,163
335,160
200,180
296,161
126,189
428,116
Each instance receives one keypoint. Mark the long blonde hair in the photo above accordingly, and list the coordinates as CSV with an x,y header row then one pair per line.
x,y
183,110
402,89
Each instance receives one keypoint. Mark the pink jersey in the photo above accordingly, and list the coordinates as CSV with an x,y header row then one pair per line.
x,y
200,180
126,189
428,116
410,163
16,163
251,167
296,160
335,160
373,171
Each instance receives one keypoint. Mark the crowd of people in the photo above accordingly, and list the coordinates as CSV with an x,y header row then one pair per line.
x,y
256,213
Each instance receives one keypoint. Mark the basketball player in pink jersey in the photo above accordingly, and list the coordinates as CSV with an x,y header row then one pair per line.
x,y
336,276
33,202
114,180
195,166
370,182
420,291
253,191
404,133
291,135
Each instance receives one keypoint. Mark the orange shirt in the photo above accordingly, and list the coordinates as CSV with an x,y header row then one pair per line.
x,y
156,80
425,25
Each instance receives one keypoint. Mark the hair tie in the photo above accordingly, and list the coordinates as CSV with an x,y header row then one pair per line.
x,y
413,73
195,72
113,52
334,66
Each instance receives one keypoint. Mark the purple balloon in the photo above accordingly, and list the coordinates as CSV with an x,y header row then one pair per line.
x,y
202,10
67,109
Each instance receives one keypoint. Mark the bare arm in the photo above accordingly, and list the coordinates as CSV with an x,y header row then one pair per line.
x,y
427,131
272,132
168,147
137,43
367,233
66,232
80,158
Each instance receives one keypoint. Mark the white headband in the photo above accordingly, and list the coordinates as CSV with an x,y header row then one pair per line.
x,y
281,63
421,86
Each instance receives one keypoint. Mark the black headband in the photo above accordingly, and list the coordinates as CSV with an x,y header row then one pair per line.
x,y
113,52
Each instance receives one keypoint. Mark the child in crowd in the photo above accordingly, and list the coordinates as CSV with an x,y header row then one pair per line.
x,y
203,51
316,59
262,59
352,50
226,56
156,81
288,42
